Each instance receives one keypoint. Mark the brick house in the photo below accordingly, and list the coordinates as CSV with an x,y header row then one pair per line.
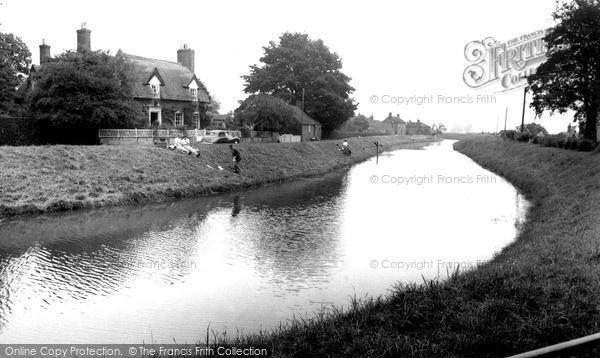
x,y
220,120
418,128
394,124
168,91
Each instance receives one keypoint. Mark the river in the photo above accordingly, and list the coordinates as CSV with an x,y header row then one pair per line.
x,y
249,260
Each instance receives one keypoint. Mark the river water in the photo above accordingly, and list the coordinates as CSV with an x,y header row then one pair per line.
x,y
250,260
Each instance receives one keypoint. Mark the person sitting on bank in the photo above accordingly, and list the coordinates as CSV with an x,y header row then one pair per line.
x,y
176,143
185,144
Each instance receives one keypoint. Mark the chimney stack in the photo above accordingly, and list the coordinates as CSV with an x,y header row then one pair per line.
x,y
186,57
44,52
390,114
84,39
398,115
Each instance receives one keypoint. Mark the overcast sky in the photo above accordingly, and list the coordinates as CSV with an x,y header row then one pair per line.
x,y
393,48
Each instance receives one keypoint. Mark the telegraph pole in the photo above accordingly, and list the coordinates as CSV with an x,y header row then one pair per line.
x,y
523,115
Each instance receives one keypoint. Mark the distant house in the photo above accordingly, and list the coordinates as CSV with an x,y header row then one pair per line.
x,y
395,125
220,120
29,83
379,127
168,90
310,127
418,128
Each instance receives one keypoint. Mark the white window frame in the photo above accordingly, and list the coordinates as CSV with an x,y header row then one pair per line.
x,y
196,120
178,117
194,91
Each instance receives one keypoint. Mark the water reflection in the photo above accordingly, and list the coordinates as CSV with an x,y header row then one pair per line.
x,y
245,260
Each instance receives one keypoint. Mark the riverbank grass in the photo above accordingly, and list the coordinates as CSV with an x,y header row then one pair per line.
x,y
540,290
52,178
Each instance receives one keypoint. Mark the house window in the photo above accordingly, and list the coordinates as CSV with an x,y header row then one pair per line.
x,y
196,120
194,94
178,119
155,91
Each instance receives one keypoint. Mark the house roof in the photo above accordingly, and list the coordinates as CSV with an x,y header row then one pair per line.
x,y
392,119
175,79
417,124
303,117
21,92
220,117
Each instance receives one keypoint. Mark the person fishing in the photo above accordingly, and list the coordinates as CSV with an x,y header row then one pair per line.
x,y
236,158
345,148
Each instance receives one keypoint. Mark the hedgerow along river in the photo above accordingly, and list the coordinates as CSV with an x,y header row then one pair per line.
x,y
249,260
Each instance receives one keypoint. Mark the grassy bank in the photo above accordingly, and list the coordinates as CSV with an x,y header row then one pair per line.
x,y
51,178
541,290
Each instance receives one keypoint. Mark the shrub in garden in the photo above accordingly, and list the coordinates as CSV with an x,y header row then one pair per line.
x,y
586,145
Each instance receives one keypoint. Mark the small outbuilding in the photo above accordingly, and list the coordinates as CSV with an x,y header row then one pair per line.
x,y
311,128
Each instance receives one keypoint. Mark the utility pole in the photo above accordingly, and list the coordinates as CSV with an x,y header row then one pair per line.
x,y
303,100
523,115
505,118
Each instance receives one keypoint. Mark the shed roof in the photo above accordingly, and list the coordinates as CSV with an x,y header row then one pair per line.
x,y
303,117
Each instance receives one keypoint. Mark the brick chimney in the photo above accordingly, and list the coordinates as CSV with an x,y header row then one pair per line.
x,y
398,115
44,52
186,57
390,114
84,39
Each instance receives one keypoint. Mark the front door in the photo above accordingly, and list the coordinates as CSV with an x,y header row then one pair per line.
x,y
155,117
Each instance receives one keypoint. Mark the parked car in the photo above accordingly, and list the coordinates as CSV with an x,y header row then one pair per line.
x,y
216,136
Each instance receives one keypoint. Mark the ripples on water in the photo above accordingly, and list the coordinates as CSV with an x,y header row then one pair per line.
x,y
245,260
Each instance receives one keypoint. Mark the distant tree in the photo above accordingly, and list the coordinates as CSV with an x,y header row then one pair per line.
x,y
15,61
298,63
78,93
266,113
358,123
438,128
570,78
533,129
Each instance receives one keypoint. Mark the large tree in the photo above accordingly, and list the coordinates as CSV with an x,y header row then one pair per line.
x,y
15,61
570,78
299,63
75,94
266,113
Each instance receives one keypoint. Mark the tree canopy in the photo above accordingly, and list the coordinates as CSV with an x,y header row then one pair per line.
x,y
299,63
15,61
75,94
570,78
359,123
533,129
266,113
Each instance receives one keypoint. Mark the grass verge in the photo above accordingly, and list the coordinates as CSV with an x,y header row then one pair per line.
x,y
541,290
39,179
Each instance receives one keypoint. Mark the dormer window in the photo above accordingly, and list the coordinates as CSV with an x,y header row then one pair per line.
x,y
155,85
194,90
